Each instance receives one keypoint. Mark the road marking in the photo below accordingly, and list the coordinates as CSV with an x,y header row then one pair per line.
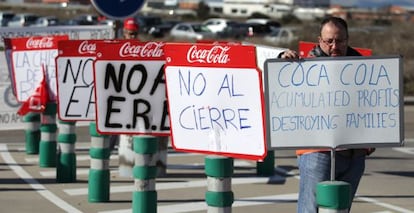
x,y
406,150
385,205
202,206
169,186
39,188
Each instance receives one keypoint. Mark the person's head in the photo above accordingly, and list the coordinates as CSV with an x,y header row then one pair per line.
x,y
130,29
333,38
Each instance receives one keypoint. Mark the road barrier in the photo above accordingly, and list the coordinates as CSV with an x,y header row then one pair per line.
x,y
48,128
144,198
66,166
99,175
32,132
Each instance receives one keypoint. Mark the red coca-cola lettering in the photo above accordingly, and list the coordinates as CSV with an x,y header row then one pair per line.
x,y
150,49
87,48
215,55
38,43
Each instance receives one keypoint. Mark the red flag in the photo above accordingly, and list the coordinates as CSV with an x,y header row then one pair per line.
x,y
38,100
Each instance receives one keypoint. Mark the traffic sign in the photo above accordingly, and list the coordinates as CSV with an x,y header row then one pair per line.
x,y
118,9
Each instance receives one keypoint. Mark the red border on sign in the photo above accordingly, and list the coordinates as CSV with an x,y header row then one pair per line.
x,y
128,50
74,48
32,43
218,55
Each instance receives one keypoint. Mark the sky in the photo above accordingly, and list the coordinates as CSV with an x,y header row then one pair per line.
x,y
373,3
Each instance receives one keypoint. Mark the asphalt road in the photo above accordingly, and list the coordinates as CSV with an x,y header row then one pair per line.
x,y
387,185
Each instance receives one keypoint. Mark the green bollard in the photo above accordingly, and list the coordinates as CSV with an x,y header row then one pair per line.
x,y
99,175
267,166
32,132
47,145
144,198
219,197
333,196
66,164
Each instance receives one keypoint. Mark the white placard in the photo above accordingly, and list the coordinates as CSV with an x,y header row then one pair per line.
x,y
216,110
130,97
76,94
334,102
28,71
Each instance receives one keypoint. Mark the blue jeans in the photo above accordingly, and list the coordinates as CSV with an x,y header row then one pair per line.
x,y
316,167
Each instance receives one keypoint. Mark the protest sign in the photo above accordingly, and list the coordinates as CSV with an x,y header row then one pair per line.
x,y
9,119
75,85
130,88
215,100
334,102
28,56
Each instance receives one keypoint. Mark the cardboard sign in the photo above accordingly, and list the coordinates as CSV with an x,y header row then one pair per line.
x,y
75,84
215,100
28,55
305,47
335,102
130,88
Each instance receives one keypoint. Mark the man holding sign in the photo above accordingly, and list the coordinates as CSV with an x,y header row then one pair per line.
x,y
314,164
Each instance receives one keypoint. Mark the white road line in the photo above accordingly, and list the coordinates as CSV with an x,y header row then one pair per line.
x,y
168,186
406,150
385,205
201,206
39,188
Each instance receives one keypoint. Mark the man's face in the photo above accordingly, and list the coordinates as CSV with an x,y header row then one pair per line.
x,y
130,34
333,40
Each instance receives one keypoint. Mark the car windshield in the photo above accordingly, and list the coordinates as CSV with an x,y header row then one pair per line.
x,y
200,28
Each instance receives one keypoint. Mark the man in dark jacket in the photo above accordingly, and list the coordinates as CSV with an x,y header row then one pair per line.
x,y
314,165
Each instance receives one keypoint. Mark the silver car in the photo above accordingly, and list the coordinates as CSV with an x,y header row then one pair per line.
x,y
22,20
191,31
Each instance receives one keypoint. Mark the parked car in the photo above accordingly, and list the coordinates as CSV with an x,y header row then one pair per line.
x,y
217,24
283,35
268,22
234,30
5,17
159,31
257,29
146,22
46,21
22,20
192,31
85,19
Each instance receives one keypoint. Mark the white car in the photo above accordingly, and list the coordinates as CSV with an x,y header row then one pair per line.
x,y
191,31
283,35
217,25
46,21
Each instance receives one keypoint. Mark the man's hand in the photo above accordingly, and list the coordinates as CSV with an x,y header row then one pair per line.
x,y
290,54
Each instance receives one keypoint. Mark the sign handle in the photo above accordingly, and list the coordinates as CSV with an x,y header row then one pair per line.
x,y
333,156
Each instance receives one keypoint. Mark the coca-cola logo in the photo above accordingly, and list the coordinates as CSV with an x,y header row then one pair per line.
x,y
87,48
37,43
150,49
215,55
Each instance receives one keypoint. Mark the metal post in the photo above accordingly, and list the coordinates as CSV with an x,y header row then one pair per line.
x,y
219,196
267,166
144,198
333,161
161,156
32,132
48,128
66,166
99,175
